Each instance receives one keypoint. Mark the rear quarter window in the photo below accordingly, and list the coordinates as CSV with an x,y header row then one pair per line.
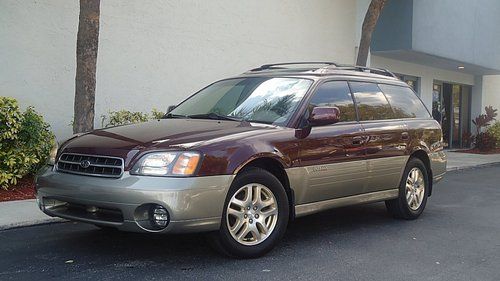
x,y
371,102
404,102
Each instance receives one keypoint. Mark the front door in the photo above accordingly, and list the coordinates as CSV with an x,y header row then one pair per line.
x,y
333,155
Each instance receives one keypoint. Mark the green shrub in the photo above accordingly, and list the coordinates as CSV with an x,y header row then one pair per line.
x,y
25,142
37,138
10,118
156,114
485,141
494,131
125,117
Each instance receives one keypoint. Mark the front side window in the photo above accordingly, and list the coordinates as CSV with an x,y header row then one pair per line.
x,y
404,102
335,93
270,100
371,102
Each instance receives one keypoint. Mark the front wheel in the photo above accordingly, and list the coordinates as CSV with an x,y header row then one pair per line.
x,y
255,215
413,192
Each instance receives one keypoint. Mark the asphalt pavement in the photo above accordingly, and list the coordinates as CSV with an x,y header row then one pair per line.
x,y
457,238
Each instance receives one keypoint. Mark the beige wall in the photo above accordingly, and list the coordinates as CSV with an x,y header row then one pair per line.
x,y
491,91
37,57
155,53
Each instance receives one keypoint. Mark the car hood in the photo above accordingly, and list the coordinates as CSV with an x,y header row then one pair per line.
x,y
126,141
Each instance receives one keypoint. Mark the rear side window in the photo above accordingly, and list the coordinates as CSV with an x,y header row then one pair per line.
x,y
335,93
371,102
404,102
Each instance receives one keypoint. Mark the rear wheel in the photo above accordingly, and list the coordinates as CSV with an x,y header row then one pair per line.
x,y
413,192
255,215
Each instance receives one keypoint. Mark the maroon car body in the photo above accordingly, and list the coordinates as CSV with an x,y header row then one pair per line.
x,y
320,159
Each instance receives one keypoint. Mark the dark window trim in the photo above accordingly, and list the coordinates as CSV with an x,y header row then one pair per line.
x,y
356,104
415,93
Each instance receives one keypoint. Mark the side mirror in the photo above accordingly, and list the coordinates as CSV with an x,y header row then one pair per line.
x,y
170,108
324,115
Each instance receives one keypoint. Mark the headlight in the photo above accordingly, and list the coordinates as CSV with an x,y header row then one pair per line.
x,y
167,164
53,154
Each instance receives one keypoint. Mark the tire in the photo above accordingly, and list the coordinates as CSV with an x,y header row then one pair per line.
x,y
268,215
412,207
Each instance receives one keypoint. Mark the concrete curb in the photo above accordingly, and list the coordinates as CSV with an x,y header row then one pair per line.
x,y
32,223
471,167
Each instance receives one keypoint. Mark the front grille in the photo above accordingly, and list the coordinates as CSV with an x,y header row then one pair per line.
x,y
91,165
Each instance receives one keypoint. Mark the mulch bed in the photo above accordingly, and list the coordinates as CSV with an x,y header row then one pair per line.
x,y
24,189
477,151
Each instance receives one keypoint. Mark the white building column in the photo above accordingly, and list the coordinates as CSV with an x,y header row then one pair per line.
x,y
426,88
476,106
491,91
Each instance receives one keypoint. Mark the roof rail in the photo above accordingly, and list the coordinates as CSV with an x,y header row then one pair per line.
x,y
281,65
380,71
328,66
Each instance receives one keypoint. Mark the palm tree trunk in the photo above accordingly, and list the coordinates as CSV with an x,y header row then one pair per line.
x,y
369,23
86,60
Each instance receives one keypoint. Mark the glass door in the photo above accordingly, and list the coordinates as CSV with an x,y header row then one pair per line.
x,y
455,122
451,107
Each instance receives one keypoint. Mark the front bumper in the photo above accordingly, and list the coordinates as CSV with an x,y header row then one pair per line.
x,y
194,204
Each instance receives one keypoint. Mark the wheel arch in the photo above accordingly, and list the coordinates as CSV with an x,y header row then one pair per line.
x,y
424,157
276,168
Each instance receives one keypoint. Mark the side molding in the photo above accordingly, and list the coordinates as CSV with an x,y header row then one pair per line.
x,y
315,207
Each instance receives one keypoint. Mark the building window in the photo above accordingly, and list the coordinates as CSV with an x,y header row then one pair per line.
x,y
412,81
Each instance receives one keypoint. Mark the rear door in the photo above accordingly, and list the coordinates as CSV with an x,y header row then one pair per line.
x,y
385,137
333,154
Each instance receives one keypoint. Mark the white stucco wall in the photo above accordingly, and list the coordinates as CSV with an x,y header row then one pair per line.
x,y
37,57
491,91
427,75
155,53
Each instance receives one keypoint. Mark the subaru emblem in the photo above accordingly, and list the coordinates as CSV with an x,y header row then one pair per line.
x,y
85,164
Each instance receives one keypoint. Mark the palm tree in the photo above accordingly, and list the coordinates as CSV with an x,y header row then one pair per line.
x,y
369,23
86,59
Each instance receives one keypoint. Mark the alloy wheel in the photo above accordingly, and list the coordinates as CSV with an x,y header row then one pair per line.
x,y
415,188
252,214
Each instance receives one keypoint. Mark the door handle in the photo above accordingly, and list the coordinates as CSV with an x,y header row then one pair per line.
x,y
405,136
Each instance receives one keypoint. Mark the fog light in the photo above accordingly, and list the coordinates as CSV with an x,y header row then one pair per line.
x,y
159,216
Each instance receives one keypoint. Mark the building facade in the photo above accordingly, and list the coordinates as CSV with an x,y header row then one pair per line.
x,y
154,53
446,50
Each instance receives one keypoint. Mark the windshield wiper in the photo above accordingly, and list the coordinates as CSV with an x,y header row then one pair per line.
x,y
213,115
258,121
170,115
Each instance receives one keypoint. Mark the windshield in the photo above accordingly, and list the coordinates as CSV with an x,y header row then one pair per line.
x,y
255,99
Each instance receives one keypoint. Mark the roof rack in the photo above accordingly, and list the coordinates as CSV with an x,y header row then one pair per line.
x,y
380,71
281,65
328,66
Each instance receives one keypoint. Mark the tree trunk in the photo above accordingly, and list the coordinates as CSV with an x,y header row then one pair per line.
x,y
369,24
86,59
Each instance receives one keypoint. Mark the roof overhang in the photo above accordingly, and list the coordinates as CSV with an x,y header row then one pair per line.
x,y
436,61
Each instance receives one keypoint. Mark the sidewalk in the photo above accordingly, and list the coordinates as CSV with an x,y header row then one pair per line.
x,y
460,161
25,212
22,213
